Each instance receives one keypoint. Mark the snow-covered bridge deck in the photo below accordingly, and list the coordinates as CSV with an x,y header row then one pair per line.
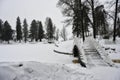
x,y
92,54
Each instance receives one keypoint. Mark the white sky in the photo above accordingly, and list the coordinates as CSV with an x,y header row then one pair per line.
x,y
31,9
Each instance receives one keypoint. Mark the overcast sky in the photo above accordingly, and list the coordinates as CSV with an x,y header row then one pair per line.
x,y
30,9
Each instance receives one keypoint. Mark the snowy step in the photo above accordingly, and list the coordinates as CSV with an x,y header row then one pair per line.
x,y
102,52
93,56
90,50
89,53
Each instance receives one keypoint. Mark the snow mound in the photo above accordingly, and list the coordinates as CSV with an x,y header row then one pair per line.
x,y
66,47
42,71
113,49
106,73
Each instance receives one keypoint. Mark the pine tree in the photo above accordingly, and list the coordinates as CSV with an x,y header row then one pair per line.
x,y
34,30
74,10
76,19
40,31
1,26
18,30
25,30
50,30
101,20
7,32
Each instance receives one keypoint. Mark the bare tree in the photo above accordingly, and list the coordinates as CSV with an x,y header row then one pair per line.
x,y
92,5
64,33
74,9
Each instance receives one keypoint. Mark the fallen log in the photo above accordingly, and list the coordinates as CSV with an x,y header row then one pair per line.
x,y
63,52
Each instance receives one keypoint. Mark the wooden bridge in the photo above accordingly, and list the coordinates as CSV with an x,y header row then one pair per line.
x,y
91,53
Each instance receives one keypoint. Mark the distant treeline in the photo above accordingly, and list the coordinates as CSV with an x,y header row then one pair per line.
x,y
22,33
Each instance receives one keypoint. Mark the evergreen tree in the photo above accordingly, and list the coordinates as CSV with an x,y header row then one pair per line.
x,y
40,31
34,30
18,30
77,12
101,20
50,30
7,35
1,26
25,30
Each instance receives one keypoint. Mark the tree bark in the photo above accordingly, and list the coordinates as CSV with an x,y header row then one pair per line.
x,y
8,42
93,15
115,21
40,40
81,20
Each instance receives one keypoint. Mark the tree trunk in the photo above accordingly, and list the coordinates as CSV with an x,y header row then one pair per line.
x,y
36,40
25,40
19,41
8,42
83,35
40,40
77,34
81,19
93,15
115,21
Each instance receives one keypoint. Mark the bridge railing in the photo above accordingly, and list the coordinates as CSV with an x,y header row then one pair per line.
x,y
78,42
104,55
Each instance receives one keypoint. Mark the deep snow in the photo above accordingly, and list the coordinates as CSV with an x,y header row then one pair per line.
x,y
35,52
41,71
38,61
113,49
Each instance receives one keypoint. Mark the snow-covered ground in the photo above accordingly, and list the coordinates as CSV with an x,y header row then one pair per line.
x,y
113,49
38,61
34,52
65,47
41,71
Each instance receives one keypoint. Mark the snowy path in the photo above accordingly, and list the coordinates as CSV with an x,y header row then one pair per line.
x,y
93,57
